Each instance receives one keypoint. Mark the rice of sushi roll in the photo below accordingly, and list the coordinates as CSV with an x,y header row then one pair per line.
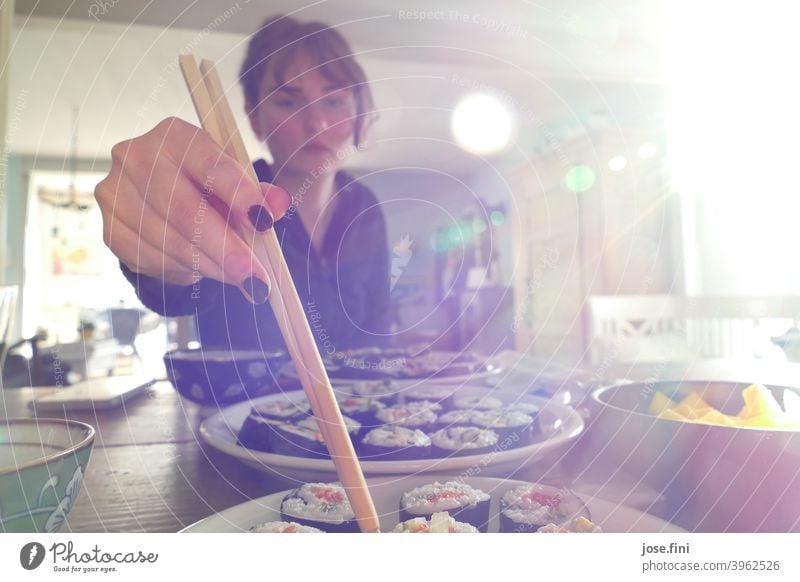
x,y
282,409
283,527
438,523
320,505
353,426
477,402
395,443
527,508
426,405
383,390
462,502
417,415
463,440
361,408
458,418
439,393
515,426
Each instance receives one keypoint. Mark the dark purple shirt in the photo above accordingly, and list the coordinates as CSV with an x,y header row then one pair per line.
x,y
344,288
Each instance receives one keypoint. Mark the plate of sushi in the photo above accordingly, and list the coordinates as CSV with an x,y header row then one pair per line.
x,y
425,428
408,365
434,504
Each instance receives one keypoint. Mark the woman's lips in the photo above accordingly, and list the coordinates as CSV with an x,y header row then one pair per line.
x,y
316,149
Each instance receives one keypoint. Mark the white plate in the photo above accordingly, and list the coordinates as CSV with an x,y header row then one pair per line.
x,y
559,425
290,371
386,492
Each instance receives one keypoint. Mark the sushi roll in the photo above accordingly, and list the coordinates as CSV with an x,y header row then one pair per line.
x,y
477,402
320,505
258,428
464,503
368,364
458,418
426,405
527,508
463,440
284,410
438,393
417,415
438,523
304,438
444,364
293,440
513,427
361,408
353,426
257,433
395,443
283,527
421,367
383,390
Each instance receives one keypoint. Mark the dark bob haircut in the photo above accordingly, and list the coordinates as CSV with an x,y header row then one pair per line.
x,y
278,43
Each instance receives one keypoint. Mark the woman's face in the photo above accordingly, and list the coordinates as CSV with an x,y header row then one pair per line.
x,y
307,122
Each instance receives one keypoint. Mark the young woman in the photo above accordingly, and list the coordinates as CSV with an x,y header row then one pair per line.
x,y
173,201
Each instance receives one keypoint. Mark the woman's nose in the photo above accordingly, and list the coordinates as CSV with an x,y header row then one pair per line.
x,y
314,118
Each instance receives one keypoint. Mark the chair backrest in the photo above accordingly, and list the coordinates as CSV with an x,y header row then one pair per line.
x,y
707,327
8,304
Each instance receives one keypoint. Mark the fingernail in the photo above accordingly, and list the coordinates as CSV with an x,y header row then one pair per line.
x,y
260,217
257,289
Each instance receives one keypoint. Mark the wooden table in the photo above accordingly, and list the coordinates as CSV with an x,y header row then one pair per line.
x,y
149,470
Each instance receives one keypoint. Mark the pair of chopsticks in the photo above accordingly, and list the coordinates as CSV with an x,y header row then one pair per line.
x,y
217,119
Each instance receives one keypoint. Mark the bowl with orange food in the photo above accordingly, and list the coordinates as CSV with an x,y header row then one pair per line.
x,y
725,455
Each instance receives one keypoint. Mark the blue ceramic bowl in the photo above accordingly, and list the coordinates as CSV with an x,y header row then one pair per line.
x,y
42,464
222,377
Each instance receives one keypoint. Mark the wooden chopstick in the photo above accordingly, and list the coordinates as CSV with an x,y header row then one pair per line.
x,y
217,118
202,84
234,147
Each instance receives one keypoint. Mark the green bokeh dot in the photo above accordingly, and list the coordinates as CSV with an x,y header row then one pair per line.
x,y
454,234
579,179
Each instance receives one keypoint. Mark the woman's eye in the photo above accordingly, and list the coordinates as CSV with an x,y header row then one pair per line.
x,y
285,103
338,99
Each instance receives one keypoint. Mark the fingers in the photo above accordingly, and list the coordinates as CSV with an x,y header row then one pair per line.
x,y
176,194
278,199
176,200
215,173
132,233
142,257
205,247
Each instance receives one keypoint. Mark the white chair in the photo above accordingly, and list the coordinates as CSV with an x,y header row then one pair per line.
x,y
8,303
649,328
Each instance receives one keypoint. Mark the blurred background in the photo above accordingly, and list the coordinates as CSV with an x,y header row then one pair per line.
x,y
581,181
